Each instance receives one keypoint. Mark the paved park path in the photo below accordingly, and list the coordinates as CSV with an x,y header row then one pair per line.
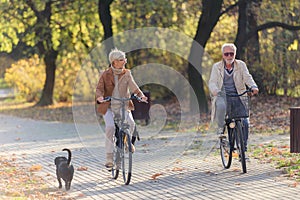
x,y
159,171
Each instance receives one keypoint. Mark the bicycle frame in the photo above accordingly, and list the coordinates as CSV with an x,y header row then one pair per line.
x,y
123,141
235,131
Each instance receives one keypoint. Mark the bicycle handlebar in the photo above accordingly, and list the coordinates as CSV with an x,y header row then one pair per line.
x,y
249,90
133,96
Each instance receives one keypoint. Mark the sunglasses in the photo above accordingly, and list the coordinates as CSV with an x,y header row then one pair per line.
x,y
229,53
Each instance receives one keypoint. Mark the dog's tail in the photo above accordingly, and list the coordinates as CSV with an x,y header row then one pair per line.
x,y
69,155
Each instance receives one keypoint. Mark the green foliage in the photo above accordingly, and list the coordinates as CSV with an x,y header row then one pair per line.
x,y
279,50
74,28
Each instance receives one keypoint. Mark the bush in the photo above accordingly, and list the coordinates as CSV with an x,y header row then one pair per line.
x,y
27,76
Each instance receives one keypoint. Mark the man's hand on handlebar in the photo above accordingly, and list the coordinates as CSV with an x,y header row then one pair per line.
x,y
254,91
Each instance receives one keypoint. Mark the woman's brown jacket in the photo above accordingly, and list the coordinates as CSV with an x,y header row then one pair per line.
x,y
106,85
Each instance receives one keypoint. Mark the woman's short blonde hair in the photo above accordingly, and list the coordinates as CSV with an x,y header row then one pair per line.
x,y
115,54
231,45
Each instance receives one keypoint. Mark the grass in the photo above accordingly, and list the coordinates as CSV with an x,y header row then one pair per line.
x,y
3,84
59,112
280,157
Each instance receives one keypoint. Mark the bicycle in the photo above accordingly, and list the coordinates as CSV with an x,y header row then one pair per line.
x,y
122,154
234,129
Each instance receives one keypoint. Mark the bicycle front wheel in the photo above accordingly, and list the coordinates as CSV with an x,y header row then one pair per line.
x,y
117,158
126,157
225,148
241,145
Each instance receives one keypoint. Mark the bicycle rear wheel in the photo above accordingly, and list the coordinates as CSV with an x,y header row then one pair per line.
x,y
126,156
241,145
225,148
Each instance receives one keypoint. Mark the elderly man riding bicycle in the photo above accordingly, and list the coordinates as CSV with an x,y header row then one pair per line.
x,y
229,76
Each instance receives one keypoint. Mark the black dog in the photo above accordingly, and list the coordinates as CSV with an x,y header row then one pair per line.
x,y
64,170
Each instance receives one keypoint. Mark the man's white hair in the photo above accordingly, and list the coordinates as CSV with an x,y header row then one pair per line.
x,y
231,45
115,54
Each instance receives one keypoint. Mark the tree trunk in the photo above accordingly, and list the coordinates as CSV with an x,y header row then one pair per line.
x,y
209,18
106,20
242,29
47,94
248,48
252,54
45,46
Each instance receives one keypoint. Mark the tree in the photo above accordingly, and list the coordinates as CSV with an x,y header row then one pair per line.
x,y
209,18
247,40
54,29
43,32
247,31
106,21
248,28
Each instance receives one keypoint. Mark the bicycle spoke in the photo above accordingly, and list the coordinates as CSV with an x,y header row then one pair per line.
x,y
225,150
127,158
241,146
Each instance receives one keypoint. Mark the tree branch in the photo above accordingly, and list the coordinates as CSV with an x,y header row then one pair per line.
x,y
275,24
33,8
228,9
271,25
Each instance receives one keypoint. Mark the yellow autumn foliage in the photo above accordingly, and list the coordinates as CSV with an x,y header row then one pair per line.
x,y
27,76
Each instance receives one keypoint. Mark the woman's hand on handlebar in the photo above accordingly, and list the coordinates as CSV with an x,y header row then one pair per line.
x,y
100,100
144,99
140,99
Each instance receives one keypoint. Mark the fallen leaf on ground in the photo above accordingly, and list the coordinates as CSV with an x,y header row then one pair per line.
x,y
82,168
235,155
236,169
293,184
35,168
154,176
177,169
81,195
